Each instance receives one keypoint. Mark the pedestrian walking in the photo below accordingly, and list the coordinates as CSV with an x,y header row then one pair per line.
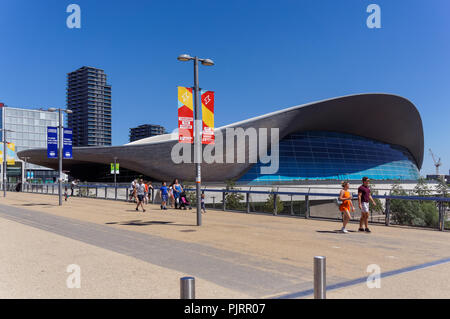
x,y
150,191
140,193
203,208
346,205
177,189
146,193
364,197
164,193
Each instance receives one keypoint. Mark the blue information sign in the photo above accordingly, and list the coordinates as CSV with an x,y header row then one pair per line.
x,y
52,142
67,148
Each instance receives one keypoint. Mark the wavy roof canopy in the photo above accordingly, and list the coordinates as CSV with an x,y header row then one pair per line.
x,y
384,117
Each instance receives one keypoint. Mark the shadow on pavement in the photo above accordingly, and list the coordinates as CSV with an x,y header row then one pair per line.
x,y
146,223
334,231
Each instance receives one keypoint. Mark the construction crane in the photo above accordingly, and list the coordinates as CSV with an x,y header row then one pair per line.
x,y
436,163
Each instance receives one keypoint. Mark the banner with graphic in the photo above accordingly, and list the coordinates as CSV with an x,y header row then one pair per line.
x,y
10,153
67,143
208,117
185,115
52,142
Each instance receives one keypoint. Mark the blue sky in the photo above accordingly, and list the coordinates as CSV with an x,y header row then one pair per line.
x,y
269,55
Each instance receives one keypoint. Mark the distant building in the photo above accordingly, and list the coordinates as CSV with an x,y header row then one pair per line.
x,y
29,131
146,130
89,98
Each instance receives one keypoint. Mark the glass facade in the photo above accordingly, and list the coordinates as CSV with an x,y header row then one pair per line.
x,y
320,155
29,130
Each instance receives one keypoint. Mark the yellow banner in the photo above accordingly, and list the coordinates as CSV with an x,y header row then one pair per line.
x,y
10,154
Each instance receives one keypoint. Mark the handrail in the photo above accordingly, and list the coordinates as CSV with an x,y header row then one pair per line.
x,y
418,198
421,198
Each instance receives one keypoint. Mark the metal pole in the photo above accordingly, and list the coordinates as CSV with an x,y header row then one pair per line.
x,y
187,288
387,218
292,207
320,277
224,200
115,179
4,163
25,177
275,210
248,202
307,213
197,143
60,155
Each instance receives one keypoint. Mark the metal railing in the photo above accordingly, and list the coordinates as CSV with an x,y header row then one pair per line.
x,y
420,211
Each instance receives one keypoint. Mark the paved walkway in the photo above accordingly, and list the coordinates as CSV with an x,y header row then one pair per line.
x,y
122,252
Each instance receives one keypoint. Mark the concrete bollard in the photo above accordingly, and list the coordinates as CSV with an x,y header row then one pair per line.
x,y
320,277
187,288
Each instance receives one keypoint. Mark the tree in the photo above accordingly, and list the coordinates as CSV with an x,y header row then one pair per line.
x,y
233,200
268,205
379,206
413,212
422,189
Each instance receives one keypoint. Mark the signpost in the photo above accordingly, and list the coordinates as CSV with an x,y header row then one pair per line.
x,y
115,171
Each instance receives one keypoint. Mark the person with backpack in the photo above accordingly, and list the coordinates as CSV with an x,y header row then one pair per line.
x,y
346,205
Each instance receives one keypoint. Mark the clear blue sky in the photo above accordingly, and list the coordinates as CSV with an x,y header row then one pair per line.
x,y
269,55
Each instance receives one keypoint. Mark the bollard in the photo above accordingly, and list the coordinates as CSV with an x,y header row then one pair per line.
x,y
320,277
187,288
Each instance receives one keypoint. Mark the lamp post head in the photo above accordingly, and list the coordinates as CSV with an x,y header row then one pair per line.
x,y
184,57
68,111
52,109
207,62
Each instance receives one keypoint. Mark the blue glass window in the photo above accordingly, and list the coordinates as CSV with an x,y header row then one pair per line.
x,y
321,155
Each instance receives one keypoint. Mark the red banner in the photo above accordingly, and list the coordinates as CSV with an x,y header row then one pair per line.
x,y
185,115
208,117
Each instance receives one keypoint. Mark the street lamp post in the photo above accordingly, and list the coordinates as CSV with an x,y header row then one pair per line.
x,y
25,176
115,178
60,147
197,126
5,163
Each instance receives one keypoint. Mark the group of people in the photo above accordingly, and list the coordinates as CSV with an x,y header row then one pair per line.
x,y
172,195
346,206
140,192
